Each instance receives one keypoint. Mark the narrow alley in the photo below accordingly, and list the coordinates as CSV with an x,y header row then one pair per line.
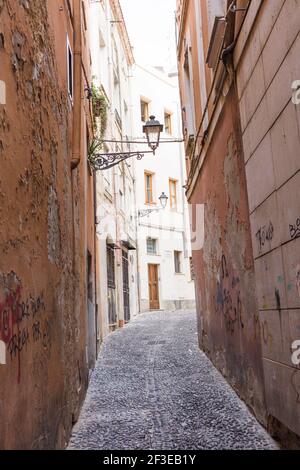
x,y
149,226
153,388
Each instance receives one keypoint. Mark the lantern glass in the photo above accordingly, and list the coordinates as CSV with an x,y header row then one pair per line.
x,y
152,129
163,200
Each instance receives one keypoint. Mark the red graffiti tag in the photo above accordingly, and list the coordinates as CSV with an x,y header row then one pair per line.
x,y
13,313
10,314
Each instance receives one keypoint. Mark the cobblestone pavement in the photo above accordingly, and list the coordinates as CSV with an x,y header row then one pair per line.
x,y
153,389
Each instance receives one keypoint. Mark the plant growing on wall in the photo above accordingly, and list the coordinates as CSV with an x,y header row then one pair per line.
x,y
100,108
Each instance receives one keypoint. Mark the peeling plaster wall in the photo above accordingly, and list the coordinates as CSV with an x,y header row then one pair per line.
x,y
227,313
271,136
43,369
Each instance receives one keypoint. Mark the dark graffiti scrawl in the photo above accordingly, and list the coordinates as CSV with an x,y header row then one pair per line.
x,y
263,235
228,298
295,229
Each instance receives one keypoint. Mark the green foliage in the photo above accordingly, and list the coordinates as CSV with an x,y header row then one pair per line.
x,y
100,108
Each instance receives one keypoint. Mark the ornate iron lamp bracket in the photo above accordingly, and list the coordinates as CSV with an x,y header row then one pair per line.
x,y
104,161
145,212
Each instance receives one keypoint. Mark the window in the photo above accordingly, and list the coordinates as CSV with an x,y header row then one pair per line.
x,y
69,69
110,260
151,246
121,188
148,188
189,108
129,203
177,262
144,111
173,193
115,56
102,42
168,122
117,88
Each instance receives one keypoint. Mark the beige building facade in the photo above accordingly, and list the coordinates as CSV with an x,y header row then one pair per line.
x,y
112,62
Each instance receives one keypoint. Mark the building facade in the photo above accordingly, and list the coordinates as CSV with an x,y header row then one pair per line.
x,y
47,236
164,251
112,62
241,131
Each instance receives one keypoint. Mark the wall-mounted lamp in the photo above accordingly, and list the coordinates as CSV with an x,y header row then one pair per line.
x,y
152,129
163,199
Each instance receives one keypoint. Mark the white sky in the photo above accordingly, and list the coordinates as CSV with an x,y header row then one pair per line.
x,y
151,28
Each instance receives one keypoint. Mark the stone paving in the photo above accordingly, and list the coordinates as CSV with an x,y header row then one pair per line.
x,y
153,389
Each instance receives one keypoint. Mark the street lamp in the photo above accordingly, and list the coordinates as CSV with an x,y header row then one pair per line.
x,y
152,129
163,199
104,161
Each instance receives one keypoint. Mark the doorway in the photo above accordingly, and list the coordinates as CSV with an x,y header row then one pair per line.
x,y
126,297
91,326
111,285
153,286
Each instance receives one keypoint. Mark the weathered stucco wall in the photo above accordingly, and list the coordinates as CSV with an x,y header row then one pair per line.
x,y
43,369
227,315
248,294
267,63
228,323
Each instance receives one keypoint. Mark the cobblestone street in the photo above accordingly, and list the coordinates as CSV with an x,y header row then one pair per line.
x,y
152,388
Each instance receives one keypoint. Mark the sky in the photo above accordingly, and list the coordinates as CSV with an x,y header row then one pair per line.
x,y
151,28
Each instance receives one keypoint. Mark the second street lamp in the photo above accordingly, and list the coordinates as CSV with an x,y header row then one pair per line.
x,y
163,199
104,161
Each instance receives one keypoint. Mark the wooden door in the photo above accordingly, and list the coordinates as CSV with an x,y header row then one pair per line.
x,y
153,286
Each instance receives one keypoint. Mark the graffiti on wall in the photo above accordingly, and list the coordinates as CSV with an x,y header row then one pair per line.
x,y
228,298
295,229
22,320
263,235
296,92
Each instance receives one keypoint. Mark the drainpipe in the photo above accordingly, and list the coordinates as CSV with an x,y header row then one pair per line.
x,y
76,138
77,79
